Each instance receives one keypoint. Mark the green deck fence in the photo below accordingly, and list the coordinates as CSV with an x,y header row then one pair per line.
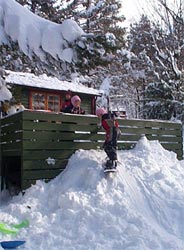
x,y
37,145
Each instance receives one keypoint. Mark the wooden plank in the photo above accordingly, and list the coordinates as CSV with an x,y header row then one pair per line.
x,y
126,145
151,137
11,128
147,131
11,137
171,146
135,138
45,136
11,152
11,118
41,174
46,126
56,136
43,126
42,164
59,117
149,123
12,146
28,145
81,127
165,138
44,154
41,115
30,127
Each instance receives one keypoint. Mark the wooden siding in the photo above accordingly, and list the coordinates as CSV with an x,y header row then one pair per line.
x,y
45,141
25,97
86,103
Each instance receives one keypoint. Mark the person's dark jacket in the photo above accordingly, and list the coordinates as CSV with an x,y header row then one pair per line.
x,y
65,104
71,109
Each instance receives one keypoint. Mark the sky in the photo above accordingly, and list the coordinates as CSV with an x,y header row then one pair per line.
x,y
139,208
131,10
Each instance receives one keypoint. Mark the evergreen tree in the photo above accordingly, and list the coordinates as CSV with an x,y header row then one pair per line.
x,y
101,22
159,104
165,51
44,8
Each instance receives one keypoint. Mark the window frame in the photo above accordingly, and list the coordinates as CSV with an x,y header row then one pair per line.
x,y
46,94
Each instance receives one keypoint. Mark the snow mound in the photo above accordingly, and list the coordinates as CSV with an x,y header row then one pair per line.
x,y
139,208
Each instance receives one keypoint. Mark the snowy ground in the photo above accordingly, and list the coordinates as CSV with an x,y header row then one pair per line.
x,y
141,208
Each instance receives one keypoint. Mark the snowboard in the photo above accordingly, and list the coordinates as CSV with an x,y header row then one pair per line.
x,y
110,173
13,244
110,170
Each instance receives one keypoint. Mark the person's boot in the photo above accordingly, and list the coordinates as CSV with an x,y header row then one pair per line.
x,y
109,164
114,164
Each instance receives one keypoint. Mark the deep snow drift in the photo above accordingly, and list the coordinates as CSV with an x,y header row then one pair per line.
x,y
141,208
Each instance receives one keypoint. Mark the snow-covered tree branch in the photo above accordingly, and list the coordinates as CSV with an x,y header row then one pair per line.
x,y
36,35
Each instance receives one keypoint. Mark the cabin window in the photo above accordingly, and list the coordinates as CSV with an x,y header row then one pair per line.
x,y
54,103
38,101
45,101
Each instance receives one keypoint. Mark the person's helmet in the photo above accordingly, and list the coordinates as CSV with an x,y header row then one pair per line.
x,y
74,99
100,111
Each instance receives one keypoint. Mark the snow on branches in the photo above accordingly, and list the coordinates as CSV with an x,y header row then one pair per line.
x,y
36,35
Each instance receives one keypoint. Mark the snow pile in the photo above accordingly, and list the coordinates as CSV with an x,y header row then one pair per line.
x,y
142,207
35,34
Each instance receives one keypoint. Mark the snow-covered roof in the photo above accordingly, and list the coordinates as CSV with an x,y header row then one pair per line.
x,y
46,82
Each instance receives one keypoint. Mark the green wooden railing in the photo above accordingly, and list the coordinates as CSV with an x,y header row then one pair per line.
x,y
42,142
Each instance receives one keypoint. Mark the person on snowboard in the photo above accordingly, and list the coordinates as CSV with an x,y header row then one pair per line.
x,y
111,126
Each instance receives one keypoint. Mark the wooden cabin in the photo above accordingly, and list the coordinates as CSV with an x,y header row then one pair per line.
x,y
48,93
